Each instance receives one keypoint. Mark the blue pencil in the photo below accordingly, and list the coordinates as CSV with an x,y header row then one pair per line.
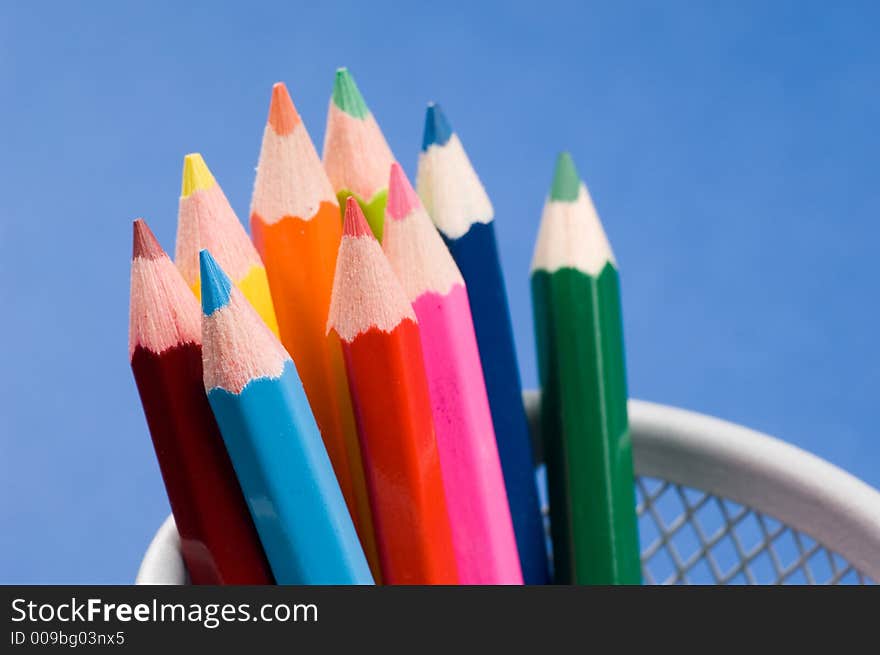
x,y
274,443
461,210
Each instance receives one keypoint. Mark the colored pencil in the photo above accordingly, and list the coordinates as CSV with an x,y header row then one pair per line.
x,y
205,219
356,155
296,227
482,532
274,443
461,210
380,340
217,537
576,300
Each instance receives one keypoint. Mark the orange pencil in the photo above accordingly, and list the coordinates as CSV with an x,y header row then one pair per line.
x,y
296,227
206,220
383,355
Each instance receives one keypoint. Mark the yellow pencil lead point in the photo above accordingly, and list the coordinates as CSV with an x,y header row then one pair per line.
x,y
196,175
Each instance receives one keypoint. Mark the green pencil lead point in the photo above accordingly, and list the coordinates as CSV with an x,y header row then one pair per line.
x,y
566,181
346,95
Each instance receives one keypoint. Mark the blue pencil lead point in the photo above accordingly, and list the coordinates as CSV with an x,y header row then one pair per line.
x,y
437,129
216,287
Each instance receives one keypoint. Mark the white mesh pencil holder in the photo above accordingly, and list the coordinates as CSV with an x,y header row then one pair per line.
x,y
717,503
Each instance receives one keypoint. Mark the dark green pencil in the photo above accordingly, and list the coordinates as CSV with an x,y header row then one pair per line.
x,y
579,331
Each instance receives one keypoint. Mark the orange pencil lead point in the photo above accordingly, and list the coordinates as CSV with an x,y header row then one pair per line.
x,y
283,116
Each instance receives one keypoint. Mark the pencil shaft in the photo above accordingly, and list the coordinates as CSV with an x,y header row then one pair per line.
x,y
482,531
288,481
217,537
476,255
584,426
393,412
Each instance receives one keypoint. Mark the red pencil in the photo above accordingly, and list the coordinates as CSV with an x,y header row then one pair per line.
x,y
217,537
383,356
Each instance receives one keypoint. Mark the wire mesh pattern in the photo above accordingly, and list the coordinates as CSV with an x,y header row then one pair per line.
x,y
692,537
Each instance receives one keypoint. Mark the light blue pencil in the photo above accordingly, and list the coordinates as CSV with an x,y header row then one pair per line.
x,y
274,443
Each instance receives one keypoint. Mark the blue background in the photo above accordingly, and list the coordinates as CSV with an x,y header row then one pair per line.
x,y
732,152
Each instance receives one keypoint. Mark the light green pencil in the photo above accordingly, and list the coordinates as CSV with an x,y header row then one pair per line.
x,y
356,156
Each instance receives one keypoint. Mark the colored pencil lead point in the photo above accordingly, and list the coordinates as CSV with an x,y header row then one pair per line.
x,y
402,198
196,175
346,95
144,242
437,128
566,182
216,287
355,224
283,116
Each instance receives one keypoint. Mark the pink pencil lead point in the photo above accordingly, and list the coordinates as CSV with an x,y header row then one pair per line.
x,y
402,198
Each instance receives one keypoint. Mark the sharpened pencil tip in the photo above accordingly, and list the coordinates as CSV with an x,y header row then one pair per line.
x,y
196,175
402,198
347,96
283,116
355,224
437,128
566,182
144,243
216,287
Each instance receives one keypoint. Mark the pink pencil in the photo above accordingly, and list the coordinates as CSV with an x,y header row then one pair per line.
x,y
482,530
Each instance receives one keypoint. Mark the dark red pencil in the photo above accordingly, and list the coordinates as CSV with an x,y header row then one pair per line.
x,y
218,540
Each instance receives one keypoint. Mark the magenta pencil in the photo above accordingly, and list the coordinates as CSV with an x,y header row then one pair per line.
x,y
482,530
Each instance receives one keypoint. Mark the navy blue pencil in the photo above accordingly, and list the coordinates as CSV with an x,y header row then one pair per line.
x,y
456,201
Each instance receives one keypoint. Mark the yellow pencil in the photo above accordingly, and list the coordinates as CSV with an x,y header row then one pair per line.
x,y
206,220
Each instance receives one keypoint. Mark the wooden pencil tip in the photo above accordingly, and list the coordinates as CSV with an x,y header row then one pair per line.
x,y
402,198
347,96
355,224
144,243
283,116
566,182
196,175
216,286
437,128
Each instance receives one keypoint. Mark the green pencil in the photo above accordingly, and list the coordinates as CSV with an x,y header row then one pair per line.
x,y
576,301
